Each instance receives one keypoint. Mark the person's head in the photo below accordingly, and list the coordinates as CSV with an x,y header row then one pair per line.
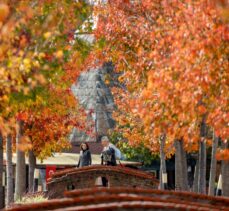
x,y
84,146
105,141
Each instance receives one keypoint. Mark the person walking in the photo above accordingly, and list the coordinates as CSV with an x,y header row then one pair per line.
x,y
85,156
110,153
108,157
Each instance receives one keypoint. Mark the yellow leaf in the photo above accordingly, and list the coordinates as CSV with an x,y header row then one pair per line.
x,y
36,64
40,78
26,61
47,35
59,54
5,98
41,55
26,90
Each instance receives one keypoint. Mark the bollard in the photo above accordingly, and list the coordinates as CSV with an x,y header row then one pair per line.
x,y
219,186
165,180
36,177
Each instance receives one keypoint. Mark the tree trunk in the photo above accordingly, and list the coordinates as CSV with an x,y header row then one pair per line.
x,y
211,189
196,177
163,174
9,172
178,167
181,176
225,173
184,167
32,165
20,184
202,167
202,158
2,198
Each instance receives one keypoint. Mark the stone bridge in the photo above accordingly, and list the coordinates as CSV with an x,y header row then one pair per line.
x,y
91,176
128,199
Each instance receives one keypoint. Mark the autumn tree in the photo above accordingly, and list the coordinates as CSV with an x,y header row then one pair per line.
x,y
37,40
173,60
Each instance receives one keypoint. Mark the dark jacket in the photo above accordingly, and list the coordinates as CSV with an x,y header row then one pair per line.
x,y
85,158
108,157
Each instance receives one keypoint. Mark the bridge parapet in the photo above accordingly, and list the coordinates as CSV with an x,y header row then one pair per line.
x,y
89,177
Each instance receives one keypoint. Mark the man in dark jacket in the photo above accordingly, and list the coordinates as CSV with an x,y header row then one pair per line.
x,y
107,157
108,154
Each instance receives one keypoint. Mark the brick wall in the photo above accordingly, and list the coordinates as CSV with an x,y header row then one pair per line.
x,y
79,178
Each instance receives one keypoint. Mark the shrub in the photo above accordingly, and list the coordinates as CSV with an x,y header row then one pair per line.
x,y
32,198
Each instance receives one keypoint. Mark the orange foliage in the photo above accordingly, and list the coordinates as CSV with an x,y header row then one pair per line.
x,y
172,55
34,48
223,154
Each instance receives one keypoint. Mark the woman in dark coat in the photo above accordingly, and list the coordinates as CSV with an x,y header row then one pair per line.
x,y
85,156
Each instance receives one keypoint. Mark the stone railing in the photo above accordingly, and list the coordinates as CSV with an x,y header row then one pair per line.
x,y
120,198
87,177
